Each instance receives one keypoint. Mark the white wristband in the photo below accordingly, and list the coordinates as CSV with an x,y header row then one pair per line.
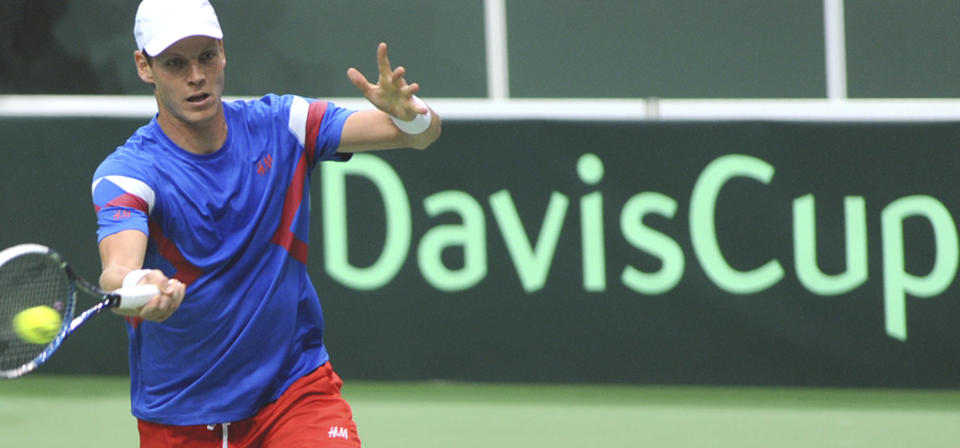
x,y
418,125
133,277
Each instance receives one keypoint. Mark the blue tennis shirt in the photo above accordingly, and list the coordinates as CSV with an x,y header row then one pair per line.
x,y
233,225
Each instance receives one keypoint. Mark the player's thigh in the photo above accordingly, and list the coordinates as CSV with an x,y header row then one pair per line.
x,y
316,421
312,413
156,435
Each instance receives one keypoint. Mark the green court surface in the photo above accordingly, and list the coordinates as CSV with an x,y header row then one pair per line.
x,y
55,411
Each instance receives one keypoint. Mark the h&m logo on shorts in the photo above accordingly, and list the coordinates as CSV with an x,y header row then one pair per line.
x,y
338,432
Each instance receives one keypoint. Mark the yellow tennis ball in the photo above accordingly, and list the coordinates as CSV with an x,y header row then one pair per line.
x,y
37,325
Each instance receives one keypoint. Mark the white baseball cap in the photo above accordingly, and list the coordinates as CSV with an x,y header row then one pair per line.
x,y
161,23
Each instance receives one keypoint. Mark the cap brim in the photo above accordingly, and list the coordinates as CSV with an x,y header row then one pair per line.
x,y
160,43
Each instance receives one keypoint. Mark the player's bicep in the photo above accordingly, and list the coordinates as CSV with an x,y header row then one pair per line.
x,y
123,206
121,203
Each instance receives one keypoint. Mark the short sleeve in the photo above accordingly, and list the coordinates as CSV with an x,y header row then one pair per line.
x,y
121,203
318,126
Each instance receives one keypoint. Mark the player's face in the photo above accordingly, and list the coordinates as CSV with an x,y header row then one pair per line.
x,y
188,77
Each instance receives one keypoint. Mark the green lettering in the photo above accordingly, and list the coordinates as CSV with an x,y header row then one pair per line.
x,y
652,242
703,203
805,247
593,260
398,225
532,263
897,282
471,235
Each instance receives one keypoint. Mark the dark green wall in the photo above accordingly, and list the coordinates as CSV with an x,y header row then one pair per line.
x,y
670,49
567,48
903,49
292,46
504,327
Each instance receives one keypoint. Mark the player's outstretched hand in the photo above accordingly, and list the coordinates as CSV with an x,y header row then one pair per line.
x,y
391,93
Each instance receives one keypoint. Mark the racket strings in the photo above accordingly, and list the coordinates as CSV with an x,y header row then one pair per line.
x,y
27,281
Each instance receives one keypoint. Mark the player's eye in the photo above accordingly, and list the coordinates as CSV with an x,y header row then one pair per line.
x,y
208,56
174,63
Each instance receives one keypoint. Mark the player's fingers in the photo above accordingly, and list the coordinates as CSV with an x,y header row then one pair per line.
x,y
410,89
358,79
178,295
171,298
171,286
149,311
163,305
397,77
158,310
155,277
383,62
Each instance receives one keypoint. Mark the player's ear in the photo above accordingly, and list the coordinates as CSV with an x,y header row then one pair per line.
x,y
223,53
144,67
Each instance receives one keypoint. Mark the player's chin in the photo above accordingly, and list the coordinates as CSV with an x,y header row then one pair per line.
x,y
198,114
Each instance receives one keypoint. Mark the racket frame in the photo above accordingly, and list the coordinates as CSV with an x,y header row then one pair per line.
x,y
70,323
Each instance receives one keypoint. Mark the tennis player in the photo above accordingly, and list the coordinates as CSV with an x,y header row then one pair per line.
x,y
210,202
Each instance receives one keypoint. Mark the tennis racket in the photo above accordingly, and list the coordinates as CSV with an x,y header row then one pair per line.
x,y
32,275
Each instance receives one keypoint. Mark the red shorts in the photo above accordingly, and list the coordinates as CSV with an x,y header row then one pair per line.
x,y
311,413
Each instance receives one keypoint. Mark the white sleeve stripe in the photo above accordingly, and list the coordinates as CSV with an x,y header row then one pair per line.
x,y
133,186
93,187
298,118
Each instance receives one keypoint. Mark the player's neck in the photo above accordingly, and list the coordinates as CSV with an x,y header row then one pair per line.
x,y
204,137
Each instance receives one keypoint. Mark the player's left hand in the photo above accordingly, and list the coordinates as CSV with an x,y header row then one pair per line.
x,y
391,93
161,306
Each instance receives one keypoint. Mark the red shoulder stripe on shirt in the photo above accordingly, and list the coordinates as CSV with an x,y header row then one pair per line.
x,y
314,119
129,200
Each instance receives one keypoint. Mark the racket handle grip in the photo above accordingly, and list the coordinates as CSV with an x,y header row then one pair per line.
x,y
132,297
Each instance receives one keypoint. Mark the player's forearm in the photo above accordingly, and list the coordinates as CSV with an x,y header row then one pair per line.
x,y
121,254
373,129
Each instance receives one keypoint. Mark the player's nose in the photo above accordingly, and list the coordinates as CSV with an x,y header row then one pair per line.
x,y
196,74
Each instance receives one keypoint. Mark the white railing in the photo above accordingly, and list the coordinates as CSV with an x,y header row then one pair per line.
x,y
550,109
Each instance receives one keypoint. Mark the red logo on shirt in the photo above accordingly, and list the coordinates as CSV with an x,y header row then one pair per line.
x,y
264,165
